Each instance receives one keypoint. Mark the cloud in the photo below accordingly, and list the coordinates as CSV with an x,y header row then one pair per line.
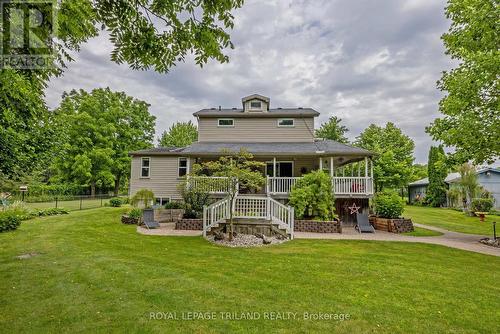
x,y
364,61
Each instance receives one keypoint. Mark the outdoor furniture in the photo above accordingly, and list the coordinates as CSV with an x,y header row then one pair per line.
x,y
148,218
363,224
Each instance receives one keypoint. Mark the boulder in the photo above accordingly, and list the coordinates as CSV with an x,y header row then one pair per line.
x,y
266,240
218,236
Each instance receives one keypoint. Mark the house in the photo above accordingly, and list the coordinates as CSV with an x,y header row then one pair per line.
x,y
488,178
283,138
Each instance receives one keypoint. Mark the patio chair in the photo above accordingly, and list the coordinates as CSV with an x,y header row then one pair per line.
x,y
363,224
148,218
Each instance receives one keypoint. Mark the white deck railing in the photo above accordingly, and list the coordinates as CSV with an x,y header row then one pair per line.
x,y
249,207
341,185
211,184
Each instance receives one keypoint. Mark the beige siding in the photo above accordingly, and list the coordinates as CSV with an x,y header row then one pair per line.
x,y
163,179
247,106
256,130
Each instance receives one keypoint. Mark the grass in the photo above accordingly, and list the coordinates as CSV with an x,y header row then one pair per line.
x,y
93,274
451,220
422,232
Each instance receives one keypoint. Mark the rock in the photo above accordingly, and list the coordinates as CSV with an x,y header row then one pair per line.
x,y
245,240
266,240
219,236
259,235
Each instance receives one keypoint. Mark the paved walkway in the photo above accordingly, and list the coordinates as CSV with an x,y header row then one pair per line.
x,y
463,241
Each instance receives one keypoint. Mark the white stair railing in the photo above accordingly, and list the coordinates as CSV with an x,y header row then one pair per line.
x,y
215,213
251,207
282,214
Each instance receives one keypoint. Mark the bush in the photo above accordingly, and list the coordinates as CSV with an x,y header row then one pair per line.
x,y
388,205
9,220
115,202
174,205
195,200
312,196
135,213
50,212
482,204
144,196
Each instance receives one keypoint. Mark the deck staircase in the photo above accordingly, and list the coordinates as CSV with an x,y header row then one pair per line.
x,y
251,214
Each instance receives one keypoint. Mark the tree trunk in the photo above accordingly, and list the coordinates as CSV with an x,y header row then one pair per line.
x,y
92,189
117,185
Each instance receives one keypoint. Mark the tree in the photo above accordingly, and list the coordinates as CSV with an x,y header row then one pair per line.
x,y
181,134
312,196
437,171
471,114
393,166
98,130
145,34
243,173
419,172
333,130
468,183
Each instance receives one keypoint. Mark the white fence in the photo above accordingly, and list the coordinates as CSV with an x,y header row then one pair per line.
x,y
215,213
211,184
341,185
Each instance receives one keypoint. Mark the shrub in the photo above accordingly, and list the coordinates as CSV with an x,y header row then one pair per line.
x,y
195,200
115,202
482,204
51,212
174,205
135,213
144,196
388,205
9,220
312,196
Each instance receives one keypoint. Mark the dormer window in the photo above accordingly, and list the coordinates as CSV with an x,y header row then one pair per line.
x,y
255,105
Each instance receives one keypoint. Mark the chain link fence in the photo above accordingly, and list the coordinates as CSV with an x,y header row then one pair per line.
x,y
69,202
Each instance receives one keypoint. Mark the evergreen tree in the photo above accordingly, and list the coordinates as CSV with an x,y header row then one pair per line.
x,y
437,171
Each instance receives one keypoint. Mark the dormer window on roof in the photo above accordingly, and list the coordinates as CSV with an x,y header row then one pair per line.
x,y
255,102
256,105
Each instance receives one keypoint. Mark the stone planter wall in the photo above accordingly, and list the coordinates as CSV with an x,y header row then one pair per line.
x,y
317,226
168,215
400,225
189,224
130,221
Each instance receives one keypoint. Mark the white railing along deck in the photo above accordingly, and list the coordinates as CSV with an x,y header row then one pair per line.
x,y
212,184
341,185
215,213
251,207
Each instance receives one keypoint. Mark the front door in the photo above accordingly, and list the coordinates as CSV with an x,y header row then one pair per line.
x,y
283,169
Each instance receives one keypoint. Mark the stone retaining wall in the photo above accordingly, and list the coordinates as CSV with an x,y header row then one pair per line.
x,y
189,224
129,221
400,225
317,226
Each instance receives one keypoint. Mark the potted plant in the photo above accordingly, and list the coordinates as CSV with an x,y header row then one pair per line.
x,y
388,208
481,207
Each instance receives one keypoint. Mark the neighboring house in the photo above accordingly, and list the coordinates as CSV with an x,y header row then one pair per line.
x,y
283,138
488,178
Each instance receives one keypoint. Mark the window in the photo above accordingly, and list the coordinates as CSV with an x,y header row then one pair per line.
x,y
183,166
255,105
226,122
145,167
283,169
161,201
287,122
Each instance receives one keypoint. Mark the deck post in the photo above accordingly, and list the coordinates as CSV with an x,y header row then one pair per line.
x,y
274,166
320,163
331,167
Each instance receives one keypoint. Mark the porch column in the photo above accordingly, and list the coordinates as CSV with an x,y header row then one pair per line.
x,y
366,166
274,166
320,163
188,166
331,167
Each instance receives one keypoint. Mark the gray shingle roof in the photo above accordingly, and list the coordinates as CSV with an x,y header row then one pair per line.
x,y
238,112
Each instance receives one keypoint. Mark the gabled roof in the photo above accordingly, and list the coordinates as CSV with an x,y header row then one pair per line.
x,y
318,148
453,177
255,97
238,112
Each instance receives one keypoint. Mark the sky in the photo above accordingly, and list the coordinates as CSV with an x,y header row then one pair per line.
x,y
364,61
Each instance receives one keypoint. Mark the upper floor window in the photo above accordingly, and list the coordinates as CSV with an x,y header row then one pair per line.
x,y
255,105
183,167
286,122
145,167
226,122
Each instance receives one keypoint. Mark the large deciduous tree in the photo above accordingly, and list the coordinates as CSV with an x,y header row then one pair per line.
x,y
392,167
99,129
471,107
181,134
333,130
437,171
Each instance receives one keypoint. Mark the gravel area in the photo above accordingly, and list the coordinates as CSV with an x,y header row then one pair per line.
x,y
245,240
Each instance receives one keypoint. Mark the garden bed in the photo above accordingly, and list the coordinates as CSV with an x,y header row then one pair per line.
x,y
168,215
189,224
130,220
317,226
397,225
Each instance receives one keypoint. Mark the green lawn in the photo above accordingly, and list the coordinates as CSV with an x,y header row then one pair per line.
x,y
87,203
94,274
450,220
423,232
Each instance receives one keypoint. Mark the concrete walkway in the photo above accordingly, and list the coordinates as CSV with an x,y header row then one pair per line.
x,y
463,241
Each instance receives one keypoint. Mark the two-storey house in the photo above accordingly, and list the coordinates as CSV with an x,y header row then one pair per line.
x,y
283,138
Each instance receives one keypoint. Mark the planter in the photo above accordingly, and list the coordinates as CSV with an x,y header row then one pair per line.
x,y
317,226
168,215
481,216
189,224
397,225
129,220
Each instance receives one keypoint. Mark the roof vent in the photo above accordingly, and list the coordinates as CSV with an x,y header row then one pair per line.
x,y
234,108
219,108
301,108
280,108
212,108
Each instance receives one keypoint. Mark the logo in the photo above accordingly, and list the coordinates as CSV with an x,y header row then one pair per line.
x,y
27,34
